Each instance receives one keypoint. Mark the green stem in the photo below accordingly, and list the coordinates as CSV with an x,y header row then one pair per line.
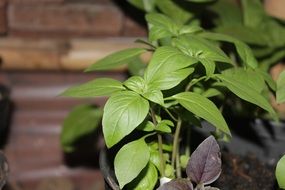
x,y
194,82
159,138
170,114
176,142
178,167
188,139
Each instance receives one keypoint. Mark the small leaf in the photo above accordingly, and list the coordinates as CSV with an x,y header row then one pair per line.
x,y
146,126
154,95
94,88
204,108
268,79
116,59
146,180
123,112
253,13
280,93
204,166
190,29
177,184
280,172
81,121
136,84
162,127
246,92
211,92
209,66
130,161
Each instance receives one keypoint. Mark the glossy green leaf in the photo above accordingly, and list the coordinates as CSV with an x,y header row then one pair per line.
x,y
167,68
136,84
146,126
246,92
116,59
211,92
189,29
146,180
280,172
197,47
243,50
160,26
123,112
280,93
154,95
94,88
204,108
130,161
81,121
162,127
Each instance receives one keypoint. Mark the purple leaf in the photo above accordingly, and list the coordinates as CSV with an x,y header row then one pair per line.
x,y
205,162
177,184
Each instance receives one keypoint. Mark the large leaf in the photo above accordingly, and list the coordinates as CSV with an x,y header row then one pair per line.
x,y
253,13
94,88
174,11
167,68
197,47
204,108
205,164
246,92
146,180
123,112
248,76
161,26
177,184
116,59
280,172
81,121
243,50
130,161
280,93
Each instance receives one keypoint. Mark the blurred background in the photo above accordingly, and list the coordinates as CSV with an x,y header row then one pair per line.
x,y
44,47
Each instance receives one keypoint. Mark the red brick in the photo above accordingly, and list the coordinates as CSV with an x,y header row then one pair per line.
x,y
133,28
65,20
3,17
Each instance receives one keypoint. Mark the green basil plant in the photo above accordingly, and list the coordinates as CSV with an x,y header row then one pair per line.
x,y
186,81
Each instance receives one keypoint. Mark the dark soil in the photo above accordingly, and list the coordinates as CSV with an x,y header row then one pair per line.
x,y
245,173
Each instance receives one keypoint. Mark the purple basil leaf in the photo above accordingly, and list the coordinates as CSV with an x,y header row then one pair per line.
x,y
177,184
205,162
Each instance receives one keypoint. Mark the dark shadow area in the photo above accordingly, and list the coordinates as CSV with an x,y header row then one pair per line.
x,y
86,152
6,110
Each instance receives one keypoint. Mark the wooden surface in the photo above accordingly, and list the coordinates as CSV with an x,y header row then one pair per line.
x,y
54,54
33,147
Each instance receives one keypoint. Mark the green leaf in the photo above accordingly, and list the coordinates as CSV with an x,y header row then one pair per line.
x,y
280,93
197,47
154,95
200,1
209,66
81,121
146,126
136,66
146,180
146,5
253,13
123,112
268,79
116,59
162,127
174,11
246,92
130,161
167,68
211,92
160,26
94,88
247,76
280,172
243,50
204,108
190,29
136,84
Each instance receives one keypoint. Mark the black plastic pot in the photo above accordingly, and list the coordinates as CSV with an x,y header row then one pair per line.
x,y
261,138
106,167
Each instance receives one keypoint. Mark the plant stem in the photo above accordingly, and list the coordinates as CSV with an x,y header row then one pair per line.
x,y
176,142
188,139
170,114
194,82
159,137
178,167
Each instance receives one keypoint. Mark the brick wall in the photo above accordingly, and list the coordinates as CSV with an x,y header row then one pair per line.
x,y
41,41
